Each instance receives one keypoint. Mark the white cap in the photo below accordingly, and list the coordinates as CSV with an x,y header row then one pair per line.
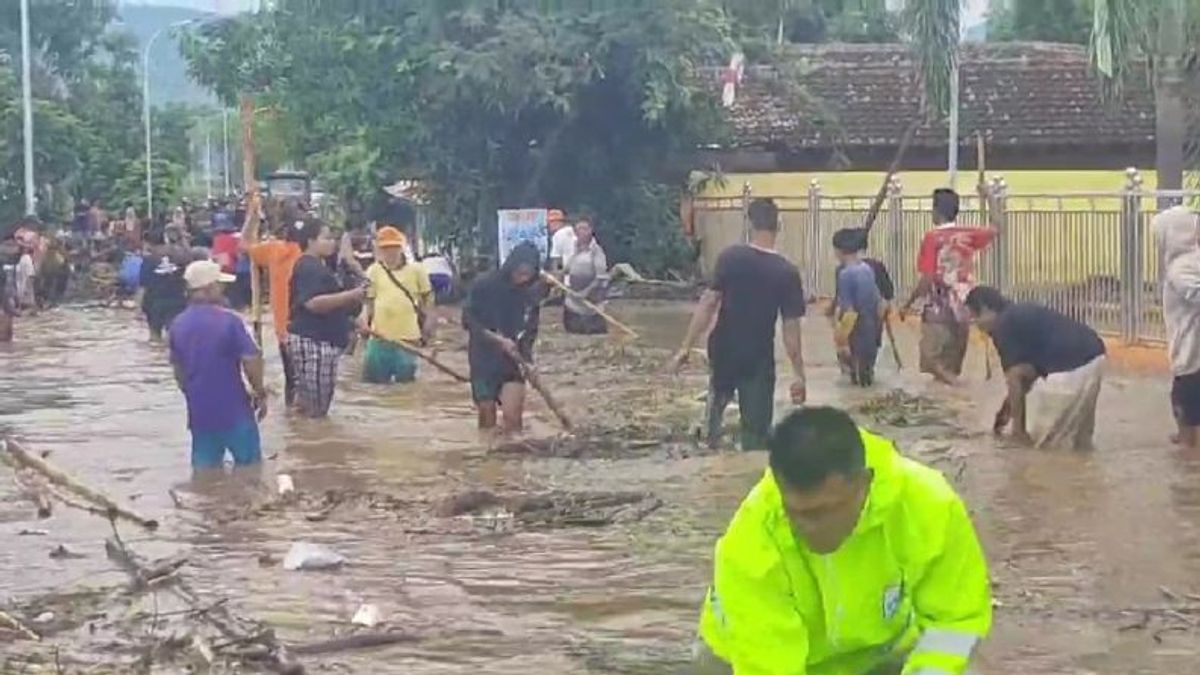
x,y
205,273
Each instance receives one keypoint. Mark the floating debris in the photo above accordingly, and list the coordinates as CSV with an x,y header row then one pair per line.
x,y
898,408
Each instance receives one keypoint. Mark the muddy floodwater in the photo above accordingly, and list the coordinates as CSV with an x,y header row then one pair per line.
x,y
1095,557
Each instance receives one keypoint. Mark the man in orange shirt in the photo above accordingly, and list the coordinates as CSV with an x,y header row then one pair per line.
x,y
278,256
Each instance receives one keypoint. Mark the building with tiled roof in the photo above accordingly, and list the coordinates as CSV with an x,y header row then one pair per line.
x,y
1038,105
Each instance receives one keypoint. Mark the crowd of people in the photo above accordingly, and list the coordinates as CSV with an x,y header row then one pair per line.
x,y
846,556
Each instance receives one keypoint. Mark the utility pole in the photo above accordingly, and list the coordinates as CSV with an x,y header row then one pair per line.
x,y
952,158
208,182
27,104
225,149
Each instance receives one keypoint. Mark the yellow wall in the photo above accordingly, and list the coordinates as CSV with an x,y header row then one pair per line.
x,y
921,183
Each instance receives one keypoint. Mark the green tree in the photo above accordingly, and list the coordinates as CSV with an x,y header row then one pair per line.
x,y
1040,20
1126,36
584,105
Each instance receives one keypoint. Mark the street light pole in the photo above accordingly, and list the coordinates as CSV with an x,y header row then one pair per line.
x,y
27,101
225,149
146,108
208,162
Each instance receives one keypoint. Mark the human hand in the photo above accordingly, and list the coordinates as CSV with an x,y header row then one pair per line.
x,y
361,325
258,400
509,347
678,361
799,391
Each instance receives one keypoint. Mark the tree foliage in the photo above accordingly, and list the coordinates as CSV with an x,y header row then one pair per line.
x,y
87,108
590,106
1068,21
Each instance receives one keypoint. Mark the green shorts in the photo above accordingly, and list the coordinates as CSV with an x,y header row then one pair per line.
x,y
385,363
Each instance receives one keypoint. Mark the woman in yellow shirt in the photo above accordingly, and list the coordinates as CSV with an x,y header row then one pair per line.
x,y
398,302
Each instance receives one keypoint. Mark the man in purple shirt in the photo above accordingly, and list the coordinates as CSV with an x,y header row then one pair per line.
x,y
210,351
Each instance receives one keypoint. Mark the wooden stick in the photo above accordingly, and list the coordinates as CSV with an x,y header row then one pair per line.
x,y
358,641
57,477
550,279
9,621
880,196
421,354
887,325
531,376
253,208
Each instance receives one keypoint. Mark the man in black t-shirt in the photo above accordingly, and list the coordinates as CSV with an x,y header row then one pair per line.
x,y
752,287
1038,342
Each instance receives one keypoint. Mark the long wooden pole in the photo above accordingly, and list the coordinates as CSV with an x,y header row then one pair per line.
x,y
553,281
253,209
531,376
877,204
55,476
985,207
421,354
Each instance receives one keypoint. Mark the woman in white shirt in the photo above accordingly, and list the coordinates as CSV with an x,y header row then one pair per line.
x,y
587,275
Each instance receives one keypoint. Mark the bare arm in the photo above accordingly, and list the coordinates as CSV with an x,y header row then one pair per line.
x,y
702,318
252,366
793,345
922,288
332,302
1020,380
180,377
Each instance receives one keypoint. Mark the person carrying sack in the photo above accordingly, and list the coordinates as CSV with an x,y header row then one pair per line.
x,y
398,302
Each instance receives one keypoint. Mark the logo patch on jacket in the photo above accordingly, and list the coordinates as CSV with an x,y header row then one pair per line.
x,y
892,595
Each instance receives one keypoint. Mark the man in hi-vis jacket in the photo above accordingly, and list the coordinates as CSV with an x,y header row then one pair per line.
x,y
846,558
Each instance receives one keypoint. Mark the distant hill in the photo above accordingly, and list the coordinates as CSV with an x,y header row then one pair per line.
x,y
169,82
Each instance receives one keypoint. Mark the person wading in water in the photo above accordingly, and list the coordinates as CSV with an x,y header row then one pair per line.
x,y
752,287
502,318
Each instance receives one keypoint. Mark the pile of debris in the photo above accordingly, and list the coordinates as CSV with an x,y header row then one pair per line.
x,y
898,408
466,513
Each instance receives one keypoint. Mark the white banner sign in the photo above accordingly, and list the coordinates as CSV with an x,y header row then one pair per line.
x,y
518,225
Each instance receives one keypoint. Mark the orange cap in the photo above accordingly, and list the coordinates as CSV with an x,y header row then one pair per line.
x,y
390,237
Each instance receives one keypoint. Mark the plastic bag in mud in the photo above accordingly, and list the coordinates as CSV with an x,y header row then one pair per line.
x,y
306,556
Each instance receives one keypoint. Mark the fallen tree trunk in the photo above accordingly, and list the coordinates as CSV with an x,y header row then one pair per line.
x,y
55,476
11,622
358,641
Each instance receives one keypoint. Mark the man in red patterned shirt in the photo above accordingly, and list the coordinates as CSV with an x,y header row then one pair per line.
x,y
946,264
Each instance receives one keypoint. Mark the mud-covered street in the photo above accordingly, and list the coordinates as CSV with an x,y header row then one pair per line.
x,y
586,555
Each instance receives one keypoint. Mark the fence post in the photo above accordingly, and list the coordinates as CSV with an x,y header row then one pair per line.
x,y
812,238
895,236
997,196
1131,256
746,212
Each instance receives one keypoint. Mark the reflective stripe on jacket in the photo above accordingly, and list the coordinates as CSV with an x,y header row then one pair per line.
x,y
909,585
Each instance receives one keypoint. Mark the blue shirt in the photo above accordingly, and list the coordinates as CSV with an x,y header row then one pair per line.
x,y
857,290
208,344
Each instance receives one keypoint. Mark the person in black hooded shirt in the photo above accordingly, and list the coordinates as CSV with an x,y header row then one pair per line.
x,y
501,316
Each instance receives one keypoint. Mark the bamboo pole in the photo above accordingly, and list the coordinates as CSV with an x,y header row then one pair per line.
x,y
253,209
56,477
891,336
421,354
553,281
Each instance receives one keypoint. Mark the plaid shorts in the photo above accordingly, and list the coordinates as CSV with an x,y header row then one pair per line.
x,y
314,367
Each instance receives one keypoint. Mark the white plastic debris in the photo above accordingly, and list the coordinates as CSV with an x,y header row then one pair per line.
x,y
44,617
306,556
367,615
285,484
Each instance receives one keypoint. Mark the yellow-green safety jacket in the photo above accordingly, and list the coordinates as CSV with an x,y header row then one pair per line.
x,y
909,585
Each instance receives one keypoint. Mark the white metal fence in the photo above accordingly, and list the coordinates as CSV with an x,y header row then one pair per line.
x,y
1089,255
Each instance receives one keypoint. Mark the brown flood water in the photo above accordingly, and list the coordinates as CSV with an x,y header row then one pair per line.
x,y
1075,541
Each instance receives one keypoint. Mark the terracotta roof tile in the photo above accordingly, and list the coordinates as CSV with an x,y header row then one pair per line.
x,y
1019,94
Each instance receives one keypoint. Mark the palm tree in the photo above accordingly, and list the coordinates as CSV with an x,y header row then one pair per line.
x,y
1130,38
